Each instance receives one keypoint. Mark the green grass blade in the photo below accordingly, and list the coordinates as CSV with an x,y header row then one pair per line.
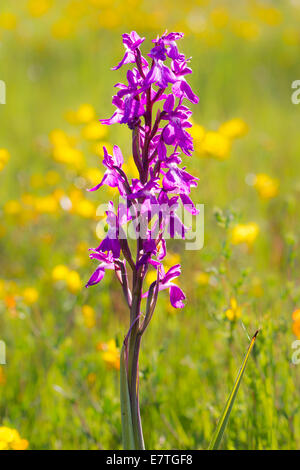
x,y
127,428
218,434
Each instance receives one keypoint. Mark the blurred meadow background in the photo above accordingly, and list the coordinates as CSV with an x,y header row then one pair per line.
x,y
60,386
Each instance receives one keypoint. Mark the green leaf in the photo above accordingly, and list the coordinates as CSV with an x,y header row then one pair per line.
x,y
127,427
218,434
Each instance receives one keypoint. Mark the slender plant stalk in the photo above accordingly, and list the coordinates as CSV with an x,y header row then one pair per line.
x,y
220,429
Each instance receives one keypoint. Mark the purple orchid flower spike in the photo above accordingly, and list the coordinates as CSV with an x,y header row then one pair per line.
x,y
149,203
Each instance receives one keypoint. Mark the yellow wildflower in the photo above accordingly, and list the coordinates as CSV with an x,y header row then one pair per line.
x,y
93,175
198,133
39,8
269,15
234,312
10,439
130,168
94,131
4,157
110,354
244,233
8,21
216,145
58,137
203,278
296,315
89,316
30,295
219,17
85,113
245,29
60,272
64,28
69,155
151,277
296,322
12,207
171,259
266,186
74,282
85,208
97,148
234,128
46,204
296,328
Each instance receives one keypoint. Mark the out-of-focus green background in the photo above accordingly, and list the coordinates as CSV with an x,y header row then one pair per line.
x,y
59,388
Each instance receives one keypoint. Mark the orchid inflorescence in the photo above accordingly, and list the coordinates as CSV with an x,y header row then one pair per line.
x,y
162,184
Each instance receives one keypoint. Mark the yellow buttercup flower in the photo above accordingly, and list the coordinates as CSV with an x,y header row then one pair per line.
x,y
8,21
296,329
60,272
58,137
39,8
30,295
296,322
245,29
266,186
219,17
203,278
151,277
64,28
94,131
10,439
171,259
74,282
93,175
85,208
12,207
130,168
296,315
85,113
234,312
216,145
244,233
46,204
198,133
234,128
69,155
110,354
89,316
4,157
269,15
97,148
